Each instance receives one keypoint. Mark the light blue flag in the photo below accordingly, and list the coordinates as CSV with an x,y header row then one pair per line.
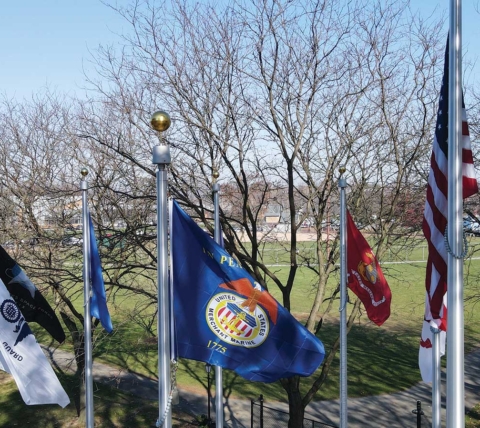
x,y
98,302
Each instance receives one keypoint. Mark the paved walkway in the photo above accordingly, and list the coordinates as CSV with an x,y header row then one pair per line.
x,y
392,410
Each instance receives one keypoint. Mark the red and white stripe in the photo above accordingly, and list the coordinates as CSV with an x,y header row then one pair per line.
x,y
434,224
226,316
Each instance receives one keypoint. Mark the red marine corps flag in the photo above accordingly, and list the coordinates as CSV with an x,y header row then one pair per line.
x,y
365,278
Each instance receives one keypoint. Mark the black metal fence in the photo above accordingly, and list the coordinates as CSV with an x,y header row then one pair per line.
x,y
262,416
267,417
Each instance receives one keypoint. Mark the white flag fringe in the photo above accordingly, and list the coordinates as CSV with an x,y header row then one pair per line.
x,y
22,357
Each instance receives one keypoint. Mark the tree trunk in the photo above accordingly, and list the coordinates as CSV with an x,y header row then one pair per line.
x,y
79,350
295,402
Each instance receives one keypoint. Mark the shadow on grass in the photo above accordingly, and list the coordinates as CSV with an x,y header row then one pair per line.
x,y
380,361
129,347
16,413
112,408
472,419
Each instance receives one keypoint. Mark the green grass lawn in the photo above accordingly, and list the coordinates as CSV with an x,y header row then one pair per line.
x,y
113,408
380,359
389,352
472,419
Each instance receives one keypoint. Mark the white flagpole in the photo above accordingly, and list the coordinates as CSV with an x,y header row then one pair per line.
x,y
218,370
160,121
455,331
342,183
87,319
436,379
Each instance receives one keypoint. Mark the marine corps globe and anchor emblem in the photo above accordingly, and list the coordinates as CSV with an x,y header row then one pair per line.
x,y
368,271
365,276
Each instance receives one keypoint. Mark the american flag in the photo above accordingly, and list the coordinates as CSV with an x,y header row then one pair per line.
x,y
435,222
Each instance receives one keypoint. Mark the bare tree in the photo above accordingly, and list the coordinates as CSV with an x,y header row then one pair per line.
x,y
276,95
37,165
40,161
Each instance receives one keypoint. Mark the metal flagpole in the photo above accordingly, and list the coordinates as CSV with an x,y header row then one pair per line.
x,y
455,331
160,121
218,370
87,319
173,345
436,379
342,183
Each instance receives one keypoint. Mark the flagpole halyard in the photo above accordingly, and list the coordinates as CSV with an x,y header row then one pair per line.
x,y
160,122
87,331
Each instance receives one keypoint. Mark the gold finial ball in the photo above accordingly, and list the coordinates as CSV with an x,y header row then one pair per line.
x,y
215,174
84,172
342,169
160,121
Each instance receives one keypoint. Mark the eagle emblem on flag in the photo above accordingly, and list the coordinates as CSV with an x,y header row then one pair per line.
x,y
368,271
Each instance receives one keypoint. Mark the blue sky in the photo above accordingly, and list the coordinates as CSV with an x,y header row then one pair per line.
x,y
470,27
47,42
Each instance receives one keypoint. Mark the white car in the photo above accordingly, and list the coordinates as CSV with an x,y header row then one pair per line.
x,y
71,240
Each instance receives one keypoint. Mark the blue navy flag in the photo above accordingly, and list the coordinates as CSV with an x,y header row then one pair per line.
x,y
98,302
225,318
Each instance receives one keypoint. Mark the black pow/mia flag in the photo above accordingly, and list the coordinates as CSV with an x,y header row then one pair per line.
x,y
29,300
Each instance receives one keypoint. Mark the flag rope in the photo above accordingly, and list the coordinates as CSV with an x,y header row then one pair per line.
x,y
173,387
449,249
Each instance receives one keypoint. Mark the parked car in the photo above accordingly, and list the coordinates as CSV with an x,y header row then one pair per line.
x,y
71,240
471,226
34,241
